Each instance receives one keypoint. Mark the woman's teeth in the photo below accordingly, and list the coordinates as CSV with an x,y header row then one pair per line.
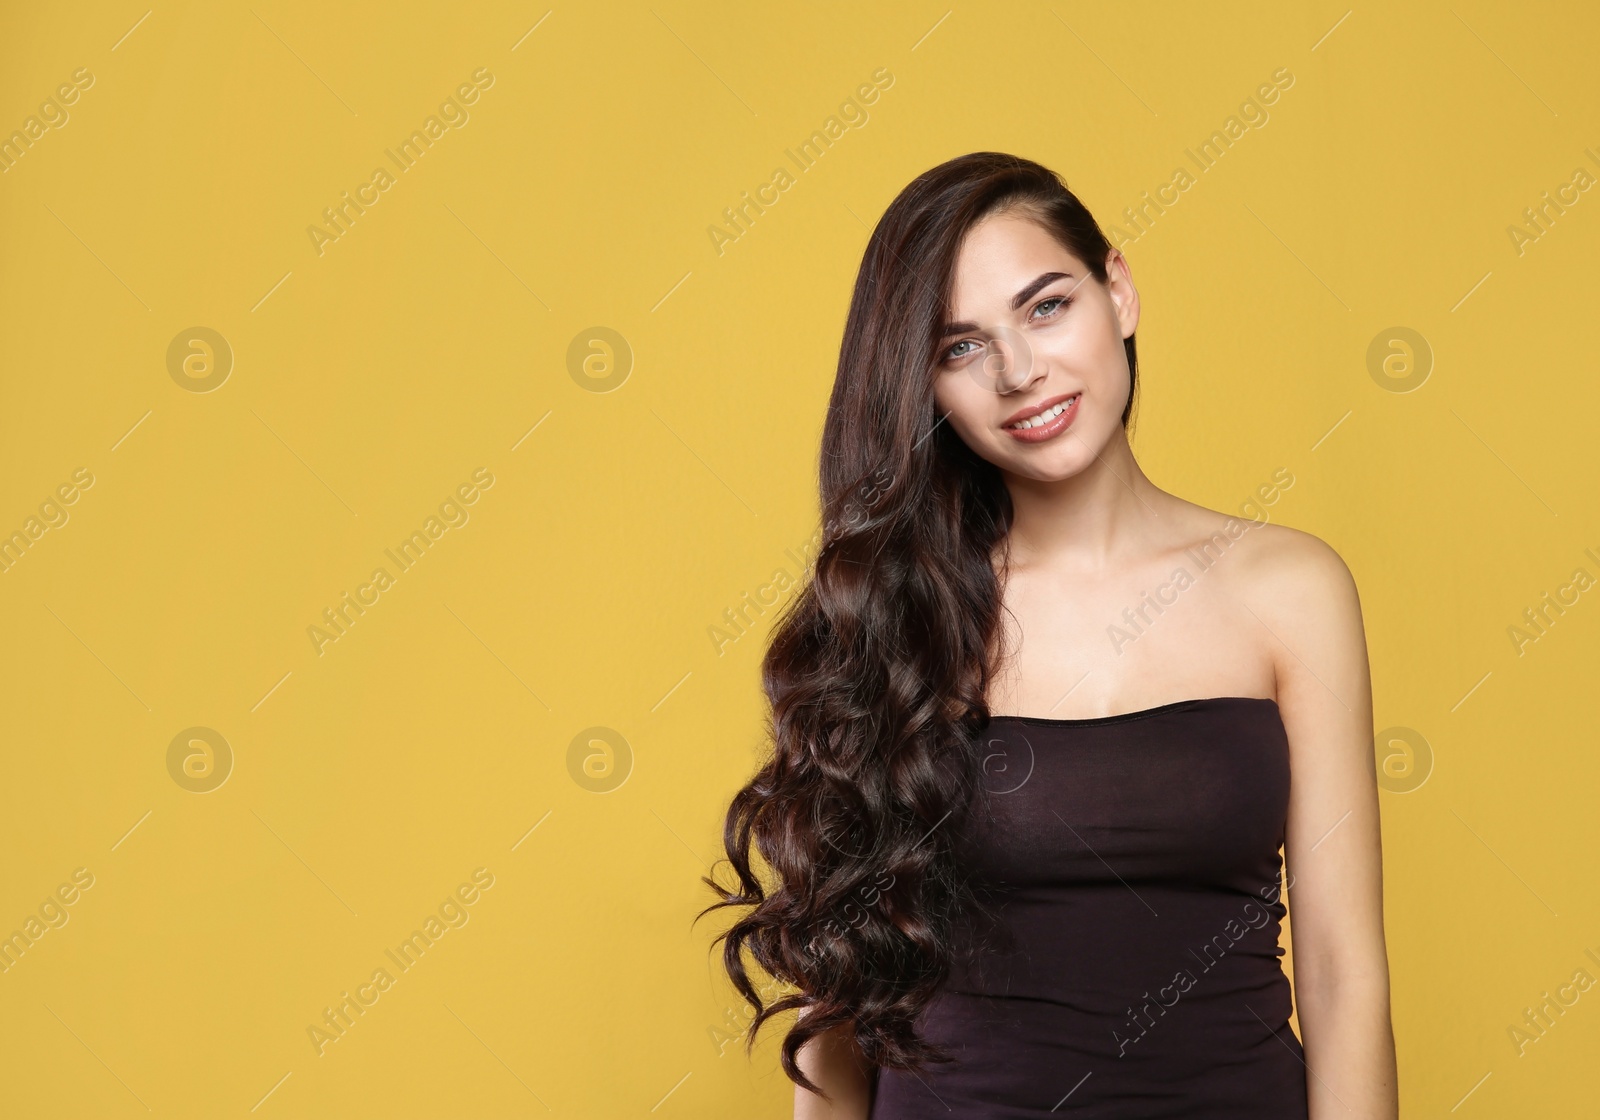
x,y
1046,416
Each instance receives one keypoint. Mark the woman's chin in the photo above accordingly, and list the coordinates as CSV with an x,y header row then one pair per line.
x,y
1056,465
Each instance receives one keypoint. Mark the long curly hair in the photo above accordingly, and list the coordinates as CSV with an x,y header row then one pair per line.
x,y
877,672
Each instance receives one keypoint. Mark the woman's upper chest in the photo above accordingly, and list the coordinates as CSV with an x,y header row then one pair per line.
x,y
1129,640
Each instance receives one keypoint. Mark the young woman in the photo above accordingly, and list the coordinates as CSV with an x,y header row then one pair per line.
x,y
1042,728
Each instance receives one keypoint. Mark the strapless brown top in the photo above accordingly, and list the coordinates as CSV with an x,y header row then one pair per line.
x,y
1134,860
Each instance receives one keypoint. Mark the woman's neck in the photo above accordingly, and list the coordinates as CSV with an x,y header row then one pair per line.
x,y
1089,522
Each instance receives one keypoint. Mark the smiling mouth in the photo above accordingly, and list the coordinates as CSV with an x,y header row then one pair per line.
x,y
1040,419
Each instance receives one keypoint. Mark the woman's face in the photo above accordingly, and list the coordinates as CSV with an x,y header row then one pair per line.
x,y
1033,331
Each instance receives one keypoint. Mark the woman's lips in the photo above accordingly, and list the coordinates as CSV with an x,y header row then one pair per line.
x,y
1050,428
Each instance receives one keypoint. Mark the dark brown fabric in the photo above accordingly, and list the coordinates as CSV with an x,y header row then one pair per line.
x,y
1135,862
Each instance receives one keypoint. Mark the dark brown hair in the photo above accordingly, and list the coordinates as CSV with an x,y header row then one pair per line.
x,y
878,669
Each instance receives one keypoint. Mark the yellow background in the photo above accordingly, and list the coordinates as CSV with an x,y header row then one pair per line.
x,y
371,380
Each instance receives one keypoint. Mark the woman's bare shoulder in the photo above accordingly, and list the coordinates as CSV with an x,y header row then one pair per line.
x,y
1296,585
1269,564
1285,560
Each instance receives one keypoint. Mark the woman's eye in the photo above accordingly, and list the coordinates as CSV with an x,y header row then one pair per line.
x,y
1043,310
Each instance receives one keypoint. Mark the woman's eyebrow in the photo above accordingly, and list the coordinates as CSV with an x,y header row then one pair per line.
x,y
1017,300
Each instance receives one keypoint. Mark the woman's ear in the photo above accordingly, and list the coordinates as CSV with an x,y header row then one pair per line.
x,y
1124,296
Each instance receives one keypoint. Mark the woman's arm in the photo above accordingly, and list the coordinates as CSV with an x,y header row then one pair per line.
x,y
1307,600
834,1063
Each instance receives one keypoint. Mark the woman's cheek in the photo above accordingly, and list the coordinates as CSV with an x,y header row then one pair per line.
x,y
952,404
